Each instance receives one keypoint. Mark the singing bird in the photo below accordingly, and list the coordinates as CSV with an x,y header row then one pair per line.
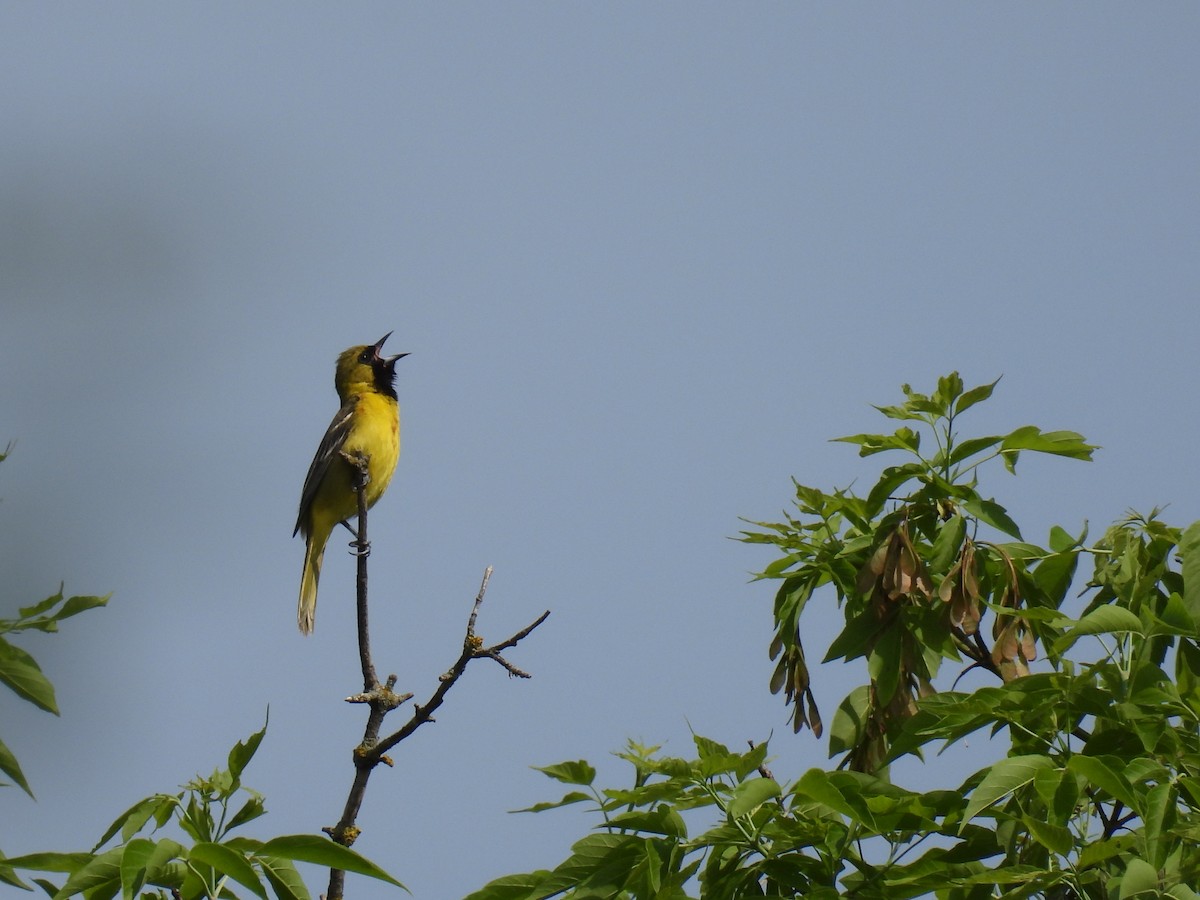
x,y
369,424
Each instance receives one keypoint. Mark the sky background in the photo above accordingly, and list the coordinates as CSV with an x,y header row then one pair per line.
x,y
648,259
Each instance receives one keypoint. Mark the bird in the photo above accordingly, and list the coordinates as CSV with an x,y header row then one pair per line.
x,y
368,423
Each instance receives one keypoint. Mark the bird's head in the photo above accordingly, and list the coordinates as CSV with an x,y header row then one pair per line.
x,y
365,366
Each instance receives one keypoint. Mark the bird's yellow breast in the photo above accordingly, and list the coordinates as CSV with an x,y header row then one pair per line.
x,y
375,432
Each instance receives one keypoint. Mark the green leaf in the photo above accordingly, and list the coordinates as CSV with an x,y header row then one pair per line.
x,y
903,413
243,751
231,863
567,800
1140,878
1187,672
791,598
284,878
1022,550
673,790
1174,619
10,767
1102,620
969,447
75,605
869,444
577,771
851,643
947,544
663,819
134,857
1061,540
251,810
831,789
1101,851
751,761
20,672
991,513
889,481
1104,773
514,887
165,851
1059,791
1058,443
1159,809
600,862
324,852
1001,780
197,820
1054,574
131,821
1189,549
49,862
751,794
9,876
713,766
974,395
706,748
97,874
849,720
1054,838
43,617
28,612
883,663
949,389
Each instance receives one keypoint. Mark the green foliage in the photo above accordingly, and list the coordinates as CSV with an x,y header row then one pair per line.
x,y
204,813
1096,791
912,567
20,672
141,862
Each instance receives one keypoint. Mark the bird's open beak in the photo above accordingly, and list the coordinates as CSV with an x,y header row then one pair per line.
x,y
390,360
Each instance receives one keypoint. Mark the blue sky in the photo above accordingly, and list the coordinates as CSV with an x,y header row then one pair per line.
x,y
648,259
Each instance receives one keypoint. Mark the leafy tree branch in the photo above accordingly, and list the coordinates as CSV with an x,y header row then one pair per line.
x,y
1096,792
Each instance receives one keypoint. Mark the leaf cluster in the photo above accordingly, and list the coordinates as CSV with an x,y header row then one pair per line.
x,y
133,859
914,566
1095,791
20,672
643,847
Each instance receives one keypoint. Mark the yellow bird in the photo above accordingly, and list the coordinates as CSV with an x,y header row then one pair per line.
x,y
368,423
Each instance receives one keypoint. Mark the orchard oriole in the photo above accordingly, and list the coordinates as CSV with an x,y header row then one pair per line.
x,y
369,424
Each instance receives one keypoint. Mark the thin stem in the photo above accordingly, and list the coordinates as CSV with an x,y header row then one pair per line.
x,y
346,831
381,698
472,649
362,550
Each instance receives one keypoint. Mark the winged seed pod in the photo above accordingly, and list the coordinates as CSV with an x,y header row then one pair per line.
x,y
1014,646
960,588
895,570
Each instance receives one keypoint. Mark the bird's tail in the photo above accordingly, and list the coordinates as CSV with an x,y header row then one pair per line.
x,y
306,610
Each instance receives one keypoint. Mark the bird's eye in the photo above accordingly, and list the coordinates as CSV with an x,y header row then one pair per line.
x,y
366,355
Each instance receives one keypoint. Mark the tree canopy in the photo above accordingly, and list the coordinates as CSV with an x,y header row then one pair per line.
x,y
1092,791
1089,785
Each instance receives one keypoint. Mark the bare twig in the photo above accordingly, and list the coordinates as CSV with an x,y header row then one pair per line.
x,y
472,649
362,549
346,831
382,699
